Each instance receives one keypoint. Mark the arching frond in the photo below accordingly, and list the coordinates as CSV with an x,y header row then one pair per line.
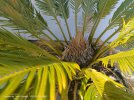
x,y
40,81
20,14
54,7
128,45
92,93
125,34
106,87
125,11
89,9
104,7
76,5
18,42
33,71
124,59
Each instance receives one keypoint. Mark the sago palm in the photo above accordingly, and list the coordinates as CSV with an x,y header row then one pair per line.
x,y
74,68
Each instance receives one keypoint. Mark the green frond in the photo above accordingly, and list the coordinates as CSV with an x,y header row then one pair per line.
x,y
89,6
88,90
76,5
21,15
128,45
18,42
122,39
125,34
26,20
100,79
89,9
124,59
40,81
17,59
124,11
51,7
106,6
106,87
54,8
92,93
103,7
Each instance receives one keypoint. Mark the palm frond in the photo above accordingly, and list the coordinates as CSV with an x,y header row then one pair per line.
x,y
64,9
128,45
33,23
89,9
21,15
76,5
120,58
92,93
15,41
34,67
55,8
125,34
103,85
44,78
104,7
124,11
